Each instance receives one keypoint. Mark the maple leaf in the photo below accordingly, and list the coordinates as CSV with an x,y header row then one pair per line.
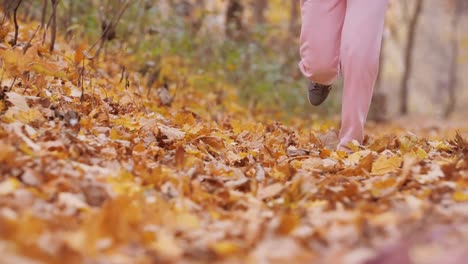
x,y
460,143
385,165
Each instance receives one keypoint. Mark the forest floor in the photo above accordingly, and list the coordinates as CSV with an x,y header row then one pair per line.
x,y
97,168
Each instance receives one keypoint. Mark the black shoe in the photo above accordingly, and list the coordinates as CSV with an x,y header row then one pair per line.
x,y
318,93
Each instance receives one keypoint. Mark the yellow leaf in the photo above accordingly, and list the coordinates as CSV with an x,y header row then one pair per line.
x,y
26,116
184,118
460,196
128,123
354,145
187,221
114,134
47,69
385,164
422,154
225,248
9,186
384,184
140,147
296,164
407,143
26,149
124,184
236,126
354,158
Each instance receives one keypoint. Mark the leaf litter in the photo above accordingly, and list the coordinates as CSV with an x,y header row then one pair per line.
x,y
112,176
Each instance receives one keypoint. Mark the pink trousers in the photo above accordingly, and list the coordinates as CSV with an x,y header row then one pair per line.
x,y
344,35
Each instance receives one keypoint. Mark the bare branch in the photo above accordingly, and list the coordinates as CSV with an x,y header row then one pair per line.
x,y
54,24
16,22
109,27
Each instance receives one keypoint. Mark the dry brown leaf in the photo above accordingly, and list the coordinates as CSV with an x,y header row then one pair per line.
x,y
18,101
171,133
270,191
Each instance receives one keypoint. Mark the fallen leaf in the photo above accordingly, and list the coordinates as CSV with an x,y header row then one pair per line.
x,y
385,165
18,101
8,186
171,133
225,248
270,191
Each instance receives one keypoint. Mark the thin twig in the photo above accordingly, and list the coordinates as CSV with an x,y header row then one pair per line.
x,y
26,82
12,84
28,45
112,24
82,81
44,36
105,91
1,78
122,74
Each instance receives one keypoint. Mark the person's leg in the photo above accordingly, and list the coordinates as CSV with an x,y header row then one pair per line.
x,y
360,51
322,22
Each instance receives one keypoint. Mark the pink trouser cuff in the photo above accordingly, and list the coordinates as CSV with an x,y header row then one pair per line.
x,y
322,79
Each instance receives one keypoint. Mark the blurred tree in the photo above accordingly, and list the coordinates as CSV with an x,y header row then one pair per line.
x,y
294,25
11,7
379,107
457,8
109,23
8,6
259,7
54,24
234,24
182,7
192,12
43,13
411,36
198,16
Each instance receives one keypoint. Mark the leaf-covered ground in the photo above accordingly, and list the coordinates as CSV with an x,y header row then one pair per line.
x,y
95,167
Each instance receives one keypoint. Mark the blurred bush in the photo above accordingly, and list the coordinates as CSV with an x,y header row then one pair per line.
x,y
257,55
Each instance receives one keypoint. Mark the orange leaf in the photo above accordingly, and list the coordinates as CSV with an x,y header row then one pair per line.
x,y
79,55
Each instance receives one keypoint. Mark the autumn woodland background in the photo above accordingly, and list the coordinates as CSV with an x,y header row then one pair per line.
x,y
253,45
177,131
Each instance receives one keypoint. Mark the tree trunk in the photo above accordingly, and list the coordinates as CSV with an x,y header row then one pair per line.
x,y
453,69
408,57
69,19
233,23
259,11
294,18
44,13
54,24
197,20
378,109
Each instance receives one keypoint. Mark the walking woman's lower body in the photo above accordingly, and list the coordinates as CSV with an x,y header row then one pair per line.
x,y
346,36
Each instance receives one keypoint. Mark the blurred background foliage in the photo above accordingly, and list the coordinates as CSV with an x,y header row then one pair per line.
x,y
252,45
